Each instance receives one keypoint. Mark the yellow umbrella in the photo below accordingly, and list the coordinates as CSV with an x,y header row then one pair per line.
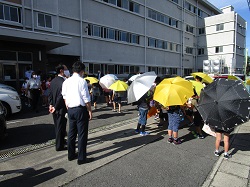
x,y
205,77
92,80
119,86
173,91
198,86
232,77
248,82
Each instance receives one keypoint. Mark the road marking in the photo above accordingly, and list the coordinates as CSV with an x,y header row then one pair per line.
x,y
10,122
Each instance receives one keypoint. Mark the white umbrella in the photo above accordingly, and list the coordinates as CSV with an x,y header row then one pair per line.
x,y
133,77
140,86
106,81
114,76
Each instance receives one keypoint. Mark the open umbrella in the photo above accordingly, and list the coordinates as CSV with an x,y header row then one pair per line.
x,y
133,77
140,86
106,81
248,82
205,77
173,91
198,86
224,104
119,86
92,80
114,76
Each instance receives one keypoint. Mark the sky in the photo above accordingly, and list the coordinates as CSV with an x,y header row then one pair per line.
x,y
240,7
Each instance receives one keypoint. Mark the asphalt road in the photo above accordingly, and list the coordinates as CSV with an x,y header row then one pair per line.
x,y
154,164
29,128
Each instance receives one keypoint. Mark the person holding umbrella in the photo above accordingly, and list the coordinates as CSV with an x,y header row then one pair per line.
x,y
223,105
143,106
173,124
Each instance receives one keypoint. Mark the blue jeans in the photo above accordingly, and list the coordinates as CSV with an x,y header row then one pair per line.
x,y
143,116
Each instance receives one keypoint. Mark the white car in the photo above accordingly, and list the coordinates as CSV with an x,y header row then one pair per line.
x,y
10,100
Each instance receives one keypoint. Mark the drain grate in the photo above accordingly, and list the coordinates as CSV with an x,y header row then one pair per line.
x,y
15,152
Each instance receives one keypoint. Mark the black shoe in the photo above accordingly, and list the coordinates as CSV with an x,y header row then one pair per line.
x,y
72,158
88,160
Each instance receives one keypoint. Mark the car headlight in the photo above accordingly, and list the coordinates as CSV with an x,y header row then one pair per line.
x,y
15,97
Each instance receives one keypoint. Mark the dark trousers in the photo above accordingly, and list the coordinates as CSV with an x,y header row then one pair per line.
x,y
78,124
35,96
60,129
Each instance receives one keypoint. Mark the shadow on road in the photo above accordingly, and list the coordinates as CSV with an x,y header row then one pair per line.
x,y
31,177
26,134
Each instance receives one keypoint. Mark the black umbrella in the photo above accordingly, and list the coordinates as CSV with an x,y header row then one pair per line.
x,y
224,104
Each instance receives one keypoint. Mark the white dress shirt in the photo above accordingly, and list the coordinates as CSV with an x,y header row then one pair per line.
x,y
75,91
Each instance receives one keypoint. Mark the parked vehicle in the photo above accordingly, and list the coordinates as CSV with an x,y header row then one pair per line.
x,y
10,100
3,133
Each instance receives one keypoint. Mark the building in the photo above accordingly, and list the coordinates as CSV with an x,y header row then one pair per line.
x,y
224,42
115,36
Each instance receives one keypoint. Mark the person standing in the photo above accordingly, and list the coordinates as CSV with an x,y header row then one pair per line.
x,y
95,91
99,75
173,124
226,142
117,98
57,106
28,72
77,99
34,87
143,106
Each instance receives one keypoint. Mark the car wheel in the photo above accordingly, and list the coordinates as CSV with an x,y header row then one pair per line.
x,y
7,110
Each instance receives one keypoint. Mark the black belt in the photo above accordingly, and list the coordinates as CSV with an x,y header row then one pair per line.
x,y
80,106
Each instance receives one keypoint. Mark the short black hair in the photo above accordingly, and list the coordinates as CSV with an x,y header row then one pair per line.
x,y
78,67
198,78
59,67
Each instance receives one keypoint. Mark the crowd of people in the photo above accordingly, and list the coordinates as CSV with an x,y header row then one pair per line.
x,y
74,95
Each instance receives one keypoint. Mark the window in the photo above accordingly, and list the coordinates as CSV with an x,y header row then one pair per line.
x,y
124,36
151,42
125,4
202,30
200,13
218,49
220,27
189,29
96,31
177,48
112,2
134,39
10,13
162,18
159,44
171,46
201,51
189,50
44,20
134,7
176,1
111,34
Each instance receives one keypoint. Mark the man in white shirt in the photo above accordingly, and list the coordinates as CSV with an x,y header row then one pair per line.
x,y
77,100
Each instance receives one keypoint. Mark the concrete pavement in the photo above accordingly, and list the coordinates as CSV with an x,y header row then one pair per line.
x,y
123,158
236,170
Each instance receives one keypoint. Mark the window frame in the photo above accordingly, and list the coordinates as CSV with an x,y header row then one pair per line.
x,y
44,20
10,17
